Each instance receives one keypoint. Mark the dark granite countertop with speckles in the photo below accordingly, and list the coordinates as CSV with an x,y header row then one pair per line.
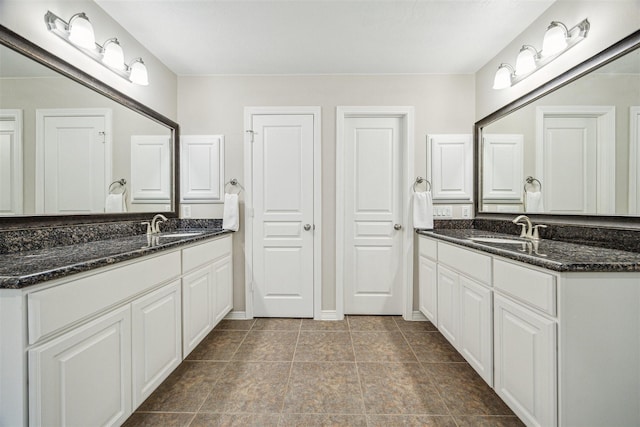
x,y
552,254
22,269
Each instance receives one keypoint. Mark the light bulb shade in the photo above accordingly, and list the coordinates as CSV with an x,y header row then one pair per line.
x,y
112,54
502,78
555,39
81,31
526,61
138,72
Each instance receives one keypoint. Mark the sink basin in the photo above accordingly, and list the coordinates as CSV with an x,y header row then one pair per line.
x,y
496,240
180,234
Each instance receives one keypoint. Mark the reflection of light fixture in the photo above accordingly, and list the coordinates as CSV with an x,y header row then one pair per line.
x,y
81,31
503,76
138,72
557,40
526,60
79,34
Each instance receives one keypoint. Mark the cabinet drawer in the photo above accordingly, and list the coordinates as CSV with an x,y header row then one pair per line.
x,y
530,286
196,256
472,264
53,308
428,248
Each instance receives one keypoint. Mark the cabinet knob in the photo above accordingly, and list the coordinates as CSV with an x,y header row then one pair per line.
x,y
307,227
397,227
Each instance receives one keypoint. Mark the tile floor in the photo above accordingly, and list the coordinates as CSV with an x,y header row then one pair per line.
x,y
363,371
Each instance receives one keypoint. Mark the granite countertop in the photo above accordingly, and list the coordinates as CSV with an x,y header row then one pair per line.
x,y
552,254
22,269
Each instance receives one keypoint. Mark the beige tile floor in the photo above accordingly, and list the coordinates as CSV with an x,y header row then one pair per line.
x,y
363,371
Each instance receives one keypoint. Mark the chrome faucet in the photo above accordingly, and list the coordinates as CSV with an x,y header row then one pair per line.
x,y
529,231
526,228
155,223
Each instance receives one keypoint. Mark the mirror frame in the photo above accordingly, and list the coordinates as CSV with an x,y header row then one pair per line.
x,y
600,59
34,52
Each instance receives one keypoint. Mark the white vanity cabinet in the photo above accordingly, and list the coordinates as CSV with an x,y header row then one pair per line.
x,y
207,289
566,345
427,279
88,349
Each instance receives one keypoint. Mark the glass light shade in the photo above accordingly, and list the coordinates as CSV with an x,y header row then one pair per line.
x,y
526,61
112,54
502,79
81,31
138,72
555,39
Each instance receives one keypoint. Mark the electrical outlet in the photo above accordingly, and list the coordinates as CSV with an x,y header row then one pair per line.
x,y
186,211
447,212
466,212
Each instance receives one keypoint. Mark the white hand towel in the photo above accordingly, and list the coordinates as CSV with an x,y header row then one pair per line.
x,y
533,202
422,210
231,214
115,203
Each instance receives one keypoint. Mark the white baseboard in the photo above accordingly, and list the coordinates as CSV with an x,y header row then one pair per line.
x,y
417,316
236,315
328,315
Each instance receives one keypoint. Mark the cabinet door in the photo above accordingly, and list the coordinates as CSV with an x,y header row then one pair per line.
x,y
83,378
156,339
202,168
525,362
451,171
448,302
476,327
223,280
428,288
197,307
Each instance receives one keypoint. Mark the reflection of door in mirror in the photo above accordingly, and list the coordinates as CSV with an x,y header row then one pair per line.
x,y
634,160
10,162
73,147
502,178
575,158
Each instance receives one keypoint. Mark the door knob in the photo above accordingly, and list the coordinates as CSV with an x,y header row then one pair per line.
x,y
397,226
307,227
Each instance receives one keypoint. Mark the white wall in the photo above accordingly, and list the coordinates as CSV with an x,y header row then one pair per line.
x,y
215,105
26,17
611,20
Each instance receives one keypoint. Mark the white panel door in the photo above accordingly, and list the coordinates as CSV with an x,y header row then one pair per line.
x,y
570,165
503,164
83,378
428,288
373,212
451,171
156,339
476,327
198,302
223,279
448,304
283,231
75,173
525,362
10,162
202,168
150,169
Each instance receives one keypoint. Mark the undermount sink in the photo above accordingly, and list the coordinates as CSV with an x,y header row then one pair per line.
x,y
180,234
496,240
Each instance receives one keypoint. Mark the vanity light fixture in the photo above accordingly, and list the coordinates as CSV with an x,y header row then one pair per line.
x,y
78,32
557,40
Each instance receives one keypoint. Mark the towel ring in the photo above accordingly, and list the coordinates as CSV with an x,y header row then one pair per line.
x,y
529,181
122,183
234,182
420,180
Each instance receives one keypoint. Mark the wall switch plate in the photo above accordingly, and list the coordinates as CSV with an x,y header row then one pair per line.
x,y
186,211
466,212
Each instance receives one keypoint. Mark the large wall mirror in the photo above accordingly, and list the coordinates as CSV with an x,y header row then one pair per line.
x,y
74,149
569,148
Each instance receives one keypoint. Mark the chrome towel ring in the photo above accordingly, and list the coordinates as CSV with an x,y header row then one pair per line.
x,y
234,183
420,180
120,183
530,181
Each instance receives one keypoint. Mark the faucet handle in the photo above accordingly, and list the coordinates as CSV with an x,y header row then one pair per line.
x,y
523,231
148,224
536,235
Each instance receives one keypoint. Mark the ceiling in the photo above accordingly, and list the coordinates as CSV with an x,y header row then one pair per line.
x,y
214,37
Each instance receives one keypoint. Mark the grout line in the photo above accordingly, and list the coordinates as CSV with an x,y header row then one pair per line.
x,y
355,361
286,388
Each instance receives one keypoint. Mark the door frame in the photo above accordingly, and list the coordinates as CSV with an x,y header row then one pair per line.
x,y
15,116
406,114
606,147
317,202
41,115
634,160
